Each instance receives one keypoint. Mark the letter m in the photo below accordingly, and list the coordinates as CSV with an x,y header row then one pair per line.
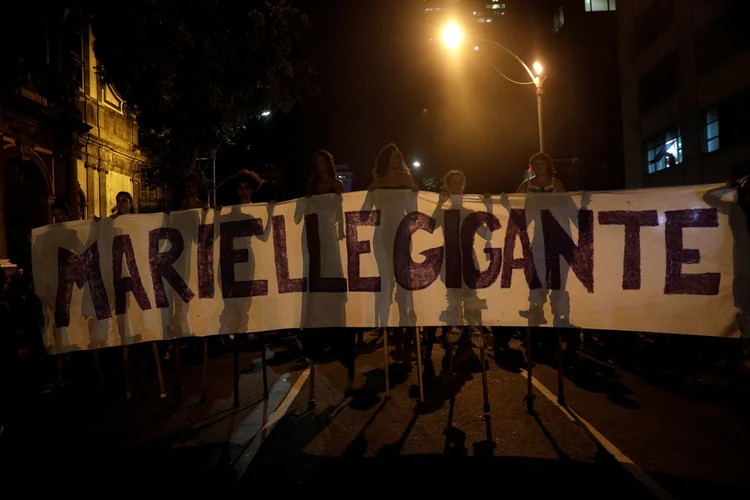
x,y
79,269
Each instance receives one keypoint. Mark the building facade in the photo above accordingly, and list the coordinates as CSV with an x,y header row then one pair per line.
x,y
685,90
582,108
64,132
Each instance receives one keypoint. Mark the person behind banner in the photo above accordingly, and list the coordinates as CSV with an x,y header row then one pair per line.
x,y
190,194
250,188
543,181
60,211
322,180
123,204
391,172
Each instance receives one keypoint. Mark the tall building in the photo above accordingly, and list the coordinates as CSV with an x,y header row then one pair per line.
x,y
581,99
685,90
64,132
475,11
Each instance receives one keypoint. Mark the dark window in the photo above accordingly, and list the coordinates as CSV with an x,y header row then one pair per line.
x,y
652,22
724,38
558,20
659,83
664,150
711,130
735,119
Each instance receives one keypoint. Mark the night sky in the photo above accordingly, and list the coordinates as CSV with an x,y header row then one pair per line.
x,y
385,76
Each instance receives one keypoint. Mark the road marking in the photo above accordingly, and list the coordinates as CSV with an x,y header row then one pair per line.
x,y
252,432
638,473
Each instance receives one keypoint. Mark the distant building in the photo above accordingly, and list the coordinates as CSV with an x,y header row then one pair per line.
x,y
478,11
346,176
64,133
581,100
685,90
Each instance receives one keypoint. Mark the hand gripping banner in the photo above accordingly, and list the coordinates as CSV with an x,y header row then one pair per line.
x,y
655,260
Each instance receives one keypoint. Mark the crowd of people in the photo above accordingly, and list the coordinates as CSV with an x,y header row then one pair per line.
x,y
19,333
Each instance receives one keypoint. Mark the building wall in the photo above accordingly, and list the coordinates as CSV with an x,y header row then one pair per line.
x,y
682,62
64,133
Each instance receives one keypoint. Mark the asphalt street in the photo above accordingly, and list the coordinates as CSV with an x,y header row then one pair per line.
x,y
357,441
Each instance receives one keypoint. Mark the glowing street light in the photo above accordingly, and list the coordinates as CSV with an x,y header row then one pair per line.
x,y
416,164
452,36
265,113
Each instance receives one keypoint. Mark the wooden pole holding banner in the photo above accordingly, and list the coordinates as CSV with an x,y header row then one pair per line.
x,y
418,333
385,358
485,388
98,367
178,370
159,374
204,391
529,398
236,347
311,402
451,371
126,371
263,362
560,368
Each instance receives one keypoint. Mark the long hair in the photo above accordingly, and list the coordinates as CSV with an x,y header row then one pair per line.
x,y
129,197
314,170
545,157
384,159
251,178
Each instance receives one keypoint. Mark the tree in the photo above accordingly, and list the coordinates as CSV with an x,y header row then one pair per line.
x,y
195,73
434,184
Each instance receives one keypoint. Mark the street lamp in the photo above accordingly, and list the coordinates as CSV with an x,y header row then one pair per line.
x,y
416,164
453,36
265,113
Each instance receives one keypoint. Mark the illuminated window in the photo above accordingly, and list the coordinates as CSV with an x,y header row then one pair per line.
x,y
600,5
664,150
711,130
558,20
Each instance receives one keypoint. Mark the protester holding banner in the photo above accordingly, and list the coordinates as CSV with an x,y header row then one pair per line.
x,y
543,181
391,172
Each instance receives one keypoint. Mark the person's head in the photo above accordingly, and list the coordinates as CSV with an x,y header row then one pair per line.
x,y
124,203
323,164
389,159
60,211
192,186
542,165
455,182
248,182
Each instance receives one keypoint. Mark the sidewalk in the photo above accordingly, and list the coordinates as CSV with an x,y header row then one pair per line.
x,y
146,444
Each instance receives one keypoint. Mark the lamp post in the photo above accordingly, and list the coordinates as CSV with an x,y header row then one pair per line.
x,y
453,37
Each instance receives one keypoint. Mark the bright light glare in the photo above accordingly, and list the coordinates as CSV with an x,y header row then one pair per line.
x,y
538,68
416,164
265,113
452,36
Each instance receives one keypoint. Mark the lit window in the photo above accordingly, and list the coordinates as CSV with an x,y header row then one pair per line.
x,y
600,5
664,150
480,20
711,130
558,20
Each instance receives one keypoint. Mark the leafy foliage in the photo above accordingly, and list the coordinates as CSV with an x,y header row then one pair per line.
x,y
434,184
195,73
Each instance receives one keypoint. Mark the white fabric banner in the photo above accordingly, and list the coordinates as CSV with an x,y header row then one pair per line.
x,y
655,260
